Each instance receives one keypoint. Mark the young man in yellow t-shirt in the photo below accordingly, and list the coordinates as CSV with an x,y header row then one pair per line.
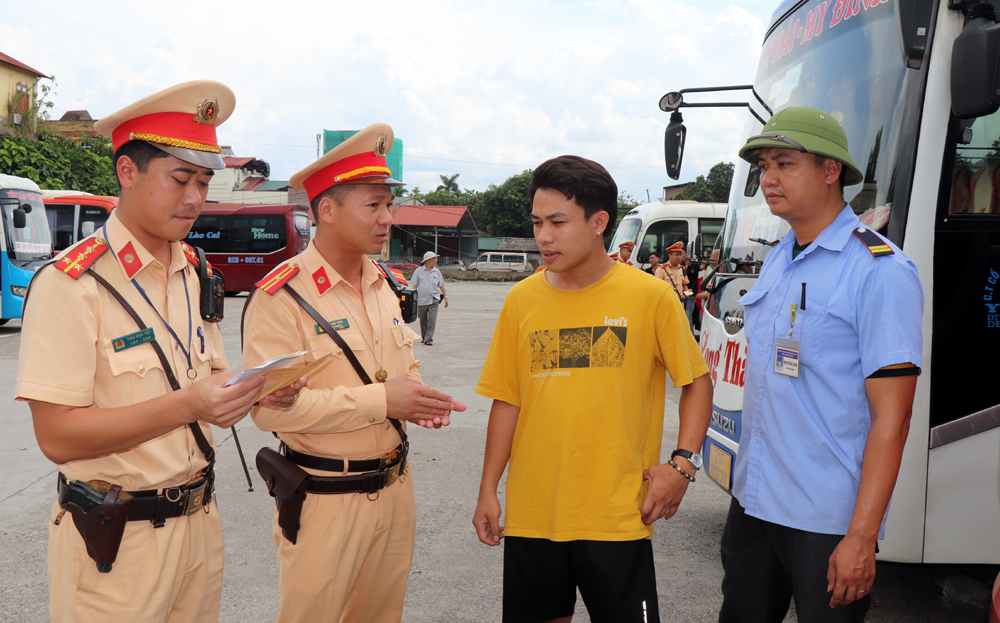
x,y
577,373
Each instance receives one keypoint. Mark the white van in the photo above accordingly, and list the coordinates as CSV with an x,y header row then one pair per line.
x,y
655,226
501,261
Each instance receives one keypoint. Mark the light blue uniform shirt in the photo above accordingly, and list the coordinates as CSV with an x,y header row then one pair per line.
x,y
799,462
428,284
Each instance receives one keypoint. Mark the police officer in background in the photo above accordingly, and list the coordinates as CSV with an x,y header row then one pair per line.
x,y
347,555
625,253
833,325
135,535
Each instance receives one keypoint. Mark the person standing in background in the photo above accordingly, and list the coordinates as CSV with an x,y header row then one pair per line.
x,y
654,263
429,283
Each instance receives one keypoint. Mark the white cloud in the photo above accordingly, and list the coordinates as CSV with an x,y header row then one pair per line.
x,y
487,89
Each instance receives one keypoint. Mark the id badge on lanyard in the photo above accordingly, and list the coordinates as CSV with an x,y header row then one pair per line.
x,y
787,353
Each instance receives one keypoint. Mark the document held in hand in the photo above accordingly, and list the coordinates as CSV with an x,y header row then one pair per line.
x,y
278,372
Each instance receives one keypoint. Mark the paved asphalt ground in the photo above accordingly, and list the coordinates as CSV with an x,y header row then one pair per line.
x,y
453,578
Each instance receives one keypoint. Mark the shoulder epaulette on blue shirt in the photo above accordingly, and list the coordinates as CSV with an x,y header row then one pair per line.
x,y
876,245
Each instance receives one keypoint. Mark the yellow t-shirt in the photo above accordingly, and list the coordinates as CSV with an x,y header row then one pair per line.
x,y
587,369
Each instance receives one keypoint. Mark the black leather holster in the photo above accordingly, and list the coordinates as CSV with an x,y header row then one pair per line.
x,y
286,482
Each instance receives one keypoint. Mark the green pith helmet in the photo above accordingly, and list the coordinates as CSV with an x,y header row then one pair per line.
x,y
805,129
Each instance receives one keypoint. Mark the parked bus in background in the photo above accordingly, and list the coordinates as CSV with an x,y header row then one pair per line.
x,y
913,84
653,227
244,242
26,242
74,217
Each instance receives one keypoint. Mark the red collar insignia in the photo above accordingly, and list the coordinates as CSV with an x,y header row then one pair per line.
x,y
130,260
321,280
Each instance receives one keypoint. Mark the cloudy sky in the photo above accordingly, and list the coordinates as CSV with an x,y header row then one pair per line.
x,y
485,90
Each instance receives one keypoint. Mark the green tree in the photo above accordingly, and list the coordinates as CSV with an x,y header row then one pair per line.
x,y
504,210
55,161
713,189
448,184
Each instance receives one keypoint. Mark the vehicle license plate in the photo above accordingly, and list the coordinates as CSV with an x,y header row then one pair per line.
x,y
720,466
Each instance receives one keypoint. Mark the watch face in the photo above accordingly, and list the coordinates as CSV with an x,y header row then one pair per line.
x,y
694,457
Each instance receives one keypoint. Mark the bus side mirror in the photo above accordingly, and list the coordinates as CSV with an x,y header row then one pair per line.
x,y
974,65
699,244
20,218
673,144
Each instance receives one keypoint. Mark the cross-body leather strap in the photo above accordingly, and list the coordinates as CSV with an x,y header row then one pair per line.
x,y
199,436
343,346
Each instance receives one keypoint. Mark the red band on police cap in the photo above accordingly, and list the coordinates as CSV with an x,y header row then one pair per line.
x,y
366,164
176,129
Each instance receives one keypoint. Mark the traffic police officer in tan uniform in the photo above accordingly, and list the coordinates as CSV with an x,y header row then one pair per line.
x,y
347,556
132,453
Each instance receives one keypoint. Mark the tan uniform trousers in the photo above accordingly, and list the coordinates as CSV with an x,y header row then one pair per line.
x,y
171,574
352,558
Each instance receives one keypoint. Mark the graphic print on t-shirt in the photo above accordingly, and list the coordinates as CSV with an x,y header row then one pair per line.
x,y
608,350
578,347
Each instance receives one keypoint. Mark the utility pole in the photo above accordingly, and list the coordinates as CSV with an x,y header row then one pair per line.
x,y
318,138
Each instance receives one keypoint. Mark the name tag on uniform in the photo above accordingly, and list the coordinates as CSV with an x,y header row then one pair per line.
x,y
786,357
133,339
338,325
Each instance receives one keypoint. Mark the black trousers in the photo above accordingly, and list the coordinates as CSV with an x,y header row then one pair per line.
x,y
766,565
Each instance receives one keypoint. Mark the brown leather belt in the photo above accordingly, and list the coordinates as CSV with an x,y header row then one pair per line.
x,y
376,474
156,506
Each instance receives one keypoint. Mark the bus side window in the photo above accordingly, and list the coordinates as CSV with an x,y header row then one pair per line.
x,y
61,225
662,234
975,181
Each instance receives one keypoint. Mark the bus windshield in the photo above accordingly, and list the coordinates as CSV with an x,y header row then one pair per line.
x,y
33,241
851,67
628,229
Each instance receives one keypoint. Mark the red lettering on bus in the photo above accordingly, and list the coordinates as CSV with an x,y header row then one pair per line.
x,y
807,32
820,14
838,12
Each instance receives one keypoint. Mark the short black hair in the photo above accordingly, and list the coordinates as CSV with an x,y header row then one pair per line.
x,y
584,181
652,253
139,152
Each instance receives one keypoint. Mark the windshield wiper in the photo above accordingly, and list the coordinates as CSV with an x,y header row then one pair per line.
x,y
765,242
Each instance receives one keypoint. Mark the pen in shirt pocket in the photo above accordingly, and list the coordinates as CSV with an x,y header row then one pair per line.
x,y
201,336
802,303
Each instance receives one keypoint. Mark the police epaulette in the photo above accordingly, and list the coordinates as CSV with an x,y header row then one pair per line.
x,y
192,256
277,278
390,273
873,241
81,257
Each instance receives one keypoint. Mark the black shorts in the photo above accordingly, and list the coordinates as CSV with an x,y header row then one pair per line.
x,y
616,580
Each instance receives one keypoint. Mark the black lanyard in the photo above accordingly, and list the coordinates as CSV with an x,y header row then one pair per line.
x,y
191,373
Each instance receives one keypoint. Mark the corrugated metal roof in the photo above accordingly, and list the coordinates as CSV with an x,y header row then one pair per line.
x,y
517,244
273,185
235,163
434,216
16,63
252,183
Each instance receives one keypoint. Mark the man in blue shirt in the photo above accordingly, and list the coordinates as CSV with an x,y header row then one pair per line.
x,y
833,327
429,282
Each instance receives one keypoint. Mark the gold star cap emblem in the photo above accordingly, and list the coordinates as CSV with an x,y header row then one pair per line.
x,y
207,112
380,146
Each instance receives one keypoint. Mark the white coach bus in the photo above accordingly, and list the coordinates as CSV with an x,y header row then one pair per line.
x,y
915,84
